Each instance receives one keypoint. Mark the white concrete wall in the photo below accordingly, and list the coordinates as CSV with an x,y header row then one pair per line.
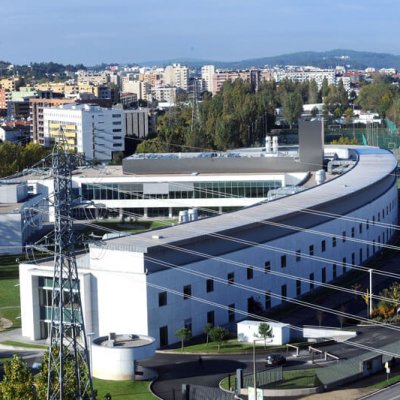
x,y
117,363
178,310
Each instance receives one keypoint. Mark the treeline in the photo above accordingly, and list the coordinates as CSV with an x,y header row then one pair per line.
x,y
43,70
381,97
16,157
240,116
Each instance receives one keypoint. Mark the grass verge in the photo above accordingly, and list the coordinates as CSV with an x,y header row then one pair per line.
x,y
380,385
296,379
22,344
126,390
9,289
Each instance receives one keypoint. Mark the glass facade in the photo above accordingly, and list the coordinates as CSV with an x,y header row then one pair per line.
x,y
200,190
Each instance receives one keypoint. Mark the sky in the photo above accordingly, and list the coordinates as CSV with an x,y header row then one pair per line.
x,y
129,31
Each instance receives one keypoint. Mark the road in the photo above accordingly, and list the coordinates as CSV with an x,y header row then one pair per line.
x,y
391,393
175,369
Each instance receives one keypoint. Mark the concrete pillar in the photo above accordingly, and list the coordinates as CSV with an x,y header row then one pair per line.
x,y
145,213
170,214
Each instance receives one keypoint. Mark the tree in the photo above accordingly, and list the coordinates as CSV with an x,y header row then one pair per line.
x,y
218,334
376,97
265,331
70,382
394,111
183,334
324,88
18,381
207,328
292,107
344,140
312,92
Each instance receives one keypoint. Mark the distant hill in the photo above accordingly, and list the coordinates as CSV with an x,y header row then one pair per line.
x,y
326,59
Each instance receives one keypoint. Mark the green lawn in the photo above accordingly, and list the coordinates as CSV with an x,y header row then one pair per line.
x,y
9,289
394,378
125,390
303,378
232,346
22,344
297,379
134,227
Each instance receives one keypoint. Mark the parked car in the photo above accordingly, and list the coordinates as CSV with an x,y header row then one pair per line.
x,y
275,359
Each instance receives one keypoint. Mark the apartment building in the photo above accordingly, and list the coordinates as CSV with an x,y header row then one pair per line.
x,y
36,112
87,129
207,73
176,75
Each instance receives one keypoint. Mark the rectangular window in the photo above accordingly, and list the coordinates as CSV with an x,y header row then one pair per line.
x,y
379,216
311,250
162,299
344,236
323,275
267,266
250,273
188,324
284,291
344,264
187,292
298,287
117,130
210,317
367,251
352,232
267,300
283,261
163,336
360,228
116,115
361,256
210,285
367,224
353,259
312,281
334,241
231,312
117,123
298,255
334,271
231,278
323,246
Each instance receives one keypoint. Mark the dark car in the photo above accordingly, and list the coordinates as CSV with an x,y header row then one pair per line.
x,y
275,359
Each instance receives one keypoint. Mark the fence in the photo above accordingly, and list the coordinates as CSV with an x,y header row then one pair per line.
x,y
263,377
196,392
357,367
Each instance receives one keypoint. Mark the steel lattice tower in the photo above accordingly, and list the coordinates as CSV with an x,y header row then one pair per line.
x,y
68,342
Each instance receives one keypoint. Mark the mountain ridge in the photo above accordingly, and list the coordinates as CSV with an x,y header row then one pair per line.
x,y
322,59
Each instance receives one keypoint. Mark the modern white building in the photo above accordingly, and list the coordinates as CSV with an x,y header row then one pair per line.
x,y
248,332
215,270
87,129
21,216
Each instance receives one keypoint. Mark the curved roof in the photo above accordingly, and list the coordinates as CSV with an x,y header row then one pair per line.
x,y
373,165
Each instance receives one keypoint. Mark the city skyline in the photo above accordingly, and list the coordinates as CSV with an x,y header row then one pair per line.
x,y
126,31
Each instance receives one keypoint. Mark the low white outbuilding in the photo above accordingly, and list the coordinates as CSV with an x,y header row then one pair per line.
x,y
247,331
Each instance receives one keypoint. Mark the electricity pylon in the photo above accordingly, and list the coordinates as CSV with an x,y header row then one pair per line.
x,y
69,373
